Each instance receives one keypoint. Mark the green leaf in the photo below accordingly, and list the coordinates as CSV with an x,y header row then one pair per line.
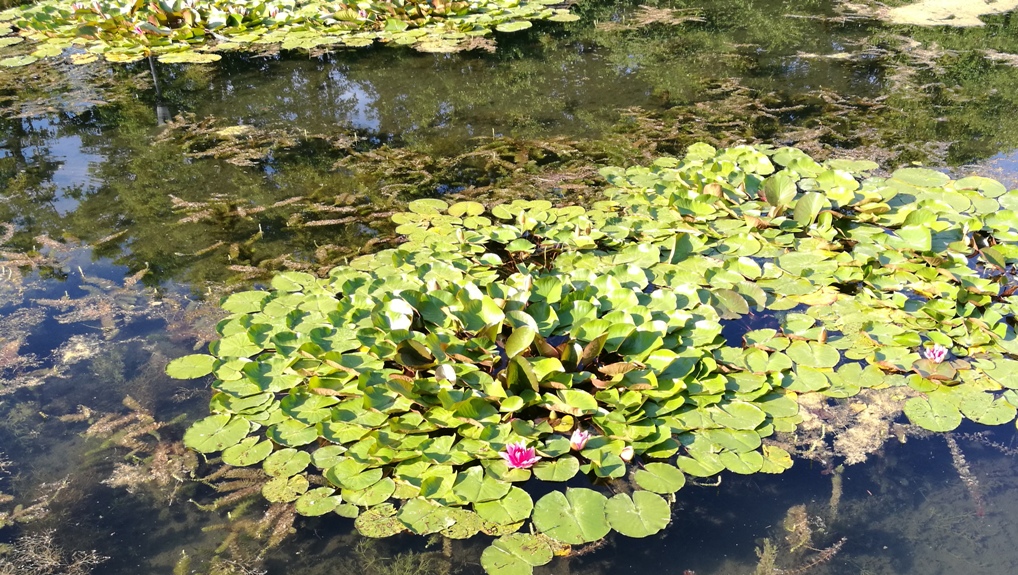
x,y
519,341
738,415
779,189
284,489
807,208
379,522
292,433
189,57
514,507
513,26
921,177
466,524
576,517
475,486
561,469
933,414
318,501
660,478
516,554
424,516
17,61
216,433
286,462
191,366
641,515
247,452
377,493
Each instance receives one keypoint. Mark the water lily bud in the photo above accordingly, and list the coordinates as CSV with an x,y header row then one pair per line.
x,y
627,453
579,439
445,373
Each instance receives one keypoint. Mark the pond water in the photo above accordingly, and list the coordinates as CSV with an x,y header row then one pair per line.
x,y
134,196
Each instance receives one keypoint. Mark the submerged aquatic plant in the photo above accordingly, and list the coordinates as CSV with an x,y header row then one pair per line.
x,y
404,388
194,30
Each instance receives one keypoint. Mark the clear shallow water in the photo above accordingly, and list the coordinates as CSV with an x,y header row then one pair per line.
x,y
357,133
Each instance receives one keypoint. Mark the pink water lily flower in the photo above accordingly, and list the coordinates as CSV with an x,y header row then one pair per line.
x,y
579,439
936,354
519,456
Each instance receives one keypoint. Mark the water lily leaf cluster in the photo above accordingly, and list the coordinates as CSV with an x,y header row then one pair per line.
x,y
677,321
193,30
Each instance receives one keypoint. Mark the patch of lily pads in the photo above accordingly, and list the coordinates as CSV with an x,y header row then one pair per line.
x,y
432,387
197,31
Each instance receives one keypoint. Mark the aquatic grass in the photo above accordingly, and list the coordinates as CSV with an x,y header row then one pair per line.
x,y
404,380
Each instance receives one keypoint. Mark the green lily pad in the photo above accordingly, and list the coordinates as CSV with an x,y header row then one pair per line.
x,y
575,517
465,525
660,478
376,493
379,522
191,366
285,489
423,516
921,177
516,554
932,414
641,515
189,57
317,501
561,469
286,462
475,486
514,507
514,26
17,61
248,452
216,433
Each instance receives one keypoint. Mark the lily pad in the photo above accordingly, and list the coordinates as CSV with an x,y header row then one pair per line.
x,y
248,452
561,469
317,501
286,462
424,516
379,521
285,489
514,507
575,517
660,478
641,515
216,433
516,554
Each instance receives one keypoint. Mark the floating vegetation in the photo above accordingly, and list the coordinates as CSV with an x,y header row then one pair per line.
x,y
192,31
671,329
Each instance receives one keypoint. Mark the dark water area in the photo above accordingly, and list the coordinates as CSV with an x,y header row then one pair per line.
x,y
132,197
